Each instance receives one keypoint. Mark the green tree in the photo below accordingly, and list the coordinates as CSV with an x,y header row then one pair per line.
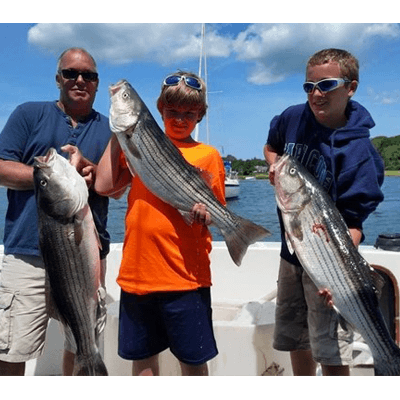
x,y
389,149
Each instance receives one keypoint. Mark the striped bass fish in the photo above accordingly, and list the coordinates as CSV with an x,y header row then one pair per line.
x,y
320,238
164,171
69,245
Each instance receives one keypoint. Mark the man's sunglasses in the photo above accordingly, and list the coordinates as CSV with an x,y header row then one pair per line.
x,y
190,81
73,74
326,85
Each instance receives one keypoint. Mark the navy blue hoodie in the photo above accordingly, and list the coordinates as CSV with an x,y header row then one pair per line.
x,y
343,160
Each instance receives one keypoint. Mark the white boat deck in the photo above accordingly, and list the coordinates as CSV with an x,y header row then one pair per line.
x,y
243,314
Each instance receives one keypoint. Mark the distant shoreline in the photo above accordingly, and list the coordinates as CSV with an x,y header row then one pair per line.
x,y
265,176
392,173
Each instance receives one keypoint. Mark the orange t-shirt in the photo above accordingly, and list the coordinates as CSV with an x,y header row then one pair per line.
x,y
161,251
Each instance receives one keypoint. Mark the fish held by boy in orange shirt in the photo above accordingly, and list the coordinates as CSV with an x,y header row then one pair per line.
x,y
152,156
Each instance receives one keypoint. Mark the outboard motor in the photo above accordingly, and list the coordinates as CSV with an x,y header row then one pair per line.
x,y
388,241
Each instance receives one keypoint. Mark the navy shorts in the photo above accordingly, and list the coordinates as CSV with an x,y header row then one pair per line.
x,y
180,321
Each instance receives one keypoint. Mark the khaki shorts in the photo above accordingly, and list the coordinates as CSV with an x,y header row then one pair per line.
x,y
304,322
26,306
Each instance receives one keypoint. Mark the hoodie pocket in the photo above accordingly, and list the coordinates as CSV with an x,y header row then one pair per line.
x,y
6,306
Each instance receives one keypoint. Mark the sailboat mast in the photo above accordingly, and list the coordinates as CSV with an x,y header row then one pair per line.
x,y
203,56
201,50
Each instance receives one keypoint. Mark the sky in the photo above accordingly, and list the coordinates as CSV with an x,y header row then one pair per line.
x,y
254,70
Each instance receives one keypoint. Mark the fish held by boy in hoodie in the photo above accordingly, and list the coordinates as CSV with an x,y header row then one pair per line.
x,y
155,159
319,236
69,244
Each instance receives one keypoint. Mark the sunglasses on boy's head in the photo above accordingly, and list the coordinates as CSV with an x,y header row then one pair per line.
x,y
72,74
190,81
326,85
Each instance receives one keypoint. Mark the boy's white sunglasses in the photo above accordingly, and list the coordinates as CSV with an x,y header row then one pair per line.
x,y
190,81
326,85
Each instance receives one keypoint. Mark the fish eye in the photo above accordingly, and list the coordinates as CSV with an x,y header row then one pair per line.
x,y
125,95
43,182
292,171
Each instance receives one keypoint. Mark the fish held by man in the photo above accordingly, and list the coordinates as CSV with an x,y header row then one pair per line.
x,y
318,234
69,245
160,165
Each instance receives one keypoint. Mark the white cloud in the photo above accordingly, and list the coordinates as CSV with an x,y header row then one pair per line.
x,y
391,30
125,43
384,97
275,50
280,50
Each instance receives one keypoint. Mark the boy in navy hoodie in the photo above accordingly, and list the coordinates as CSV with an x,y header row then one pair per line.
x,y
330,136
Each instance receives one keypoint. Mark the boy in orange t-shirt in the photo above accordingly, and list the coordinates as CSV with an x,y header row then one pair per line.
x,y
165,272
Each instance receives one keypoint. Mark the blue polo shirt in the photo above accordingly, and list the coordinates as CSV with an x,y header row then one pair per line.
x,y
30,131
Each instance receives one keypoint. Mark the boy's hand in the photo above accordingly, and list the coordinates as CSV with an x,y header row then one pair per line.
x,y
270,157
200,214
328,297
271,175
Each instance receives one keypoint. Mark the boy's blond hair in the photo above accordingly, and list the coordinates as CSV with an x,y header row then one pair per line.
x,y
181,95
347,62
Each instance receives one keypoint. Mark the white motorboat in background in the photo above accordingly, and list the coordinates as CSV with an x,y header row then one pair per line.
x,y
232,184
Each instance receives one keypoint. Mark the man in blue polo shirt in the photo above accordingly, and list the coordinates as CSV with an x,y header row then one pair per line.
x,y
67,125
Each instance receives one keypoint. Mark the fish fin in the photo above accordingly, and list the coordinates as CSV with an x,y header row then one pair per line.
x,y
131,169
206,176
244,234
133,149
289,244
96,232
78,229
187,217
378,281
384,368
348,327
296,229
90,366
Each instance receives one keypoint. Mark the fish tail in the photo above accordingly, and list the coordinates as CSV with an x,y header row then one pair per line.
x,y
240,238
388,367
90,366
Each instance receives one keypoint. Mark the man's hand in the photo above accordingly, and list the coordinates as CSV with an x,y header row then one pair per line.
x,y
85,168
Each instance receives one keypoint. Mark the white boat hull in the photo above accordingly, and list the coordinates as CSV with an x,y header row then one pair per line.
x,y
243,314
232,188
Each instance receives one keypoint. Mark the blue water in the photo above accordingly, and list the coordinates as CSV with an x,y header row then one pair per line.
x,y
257,203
